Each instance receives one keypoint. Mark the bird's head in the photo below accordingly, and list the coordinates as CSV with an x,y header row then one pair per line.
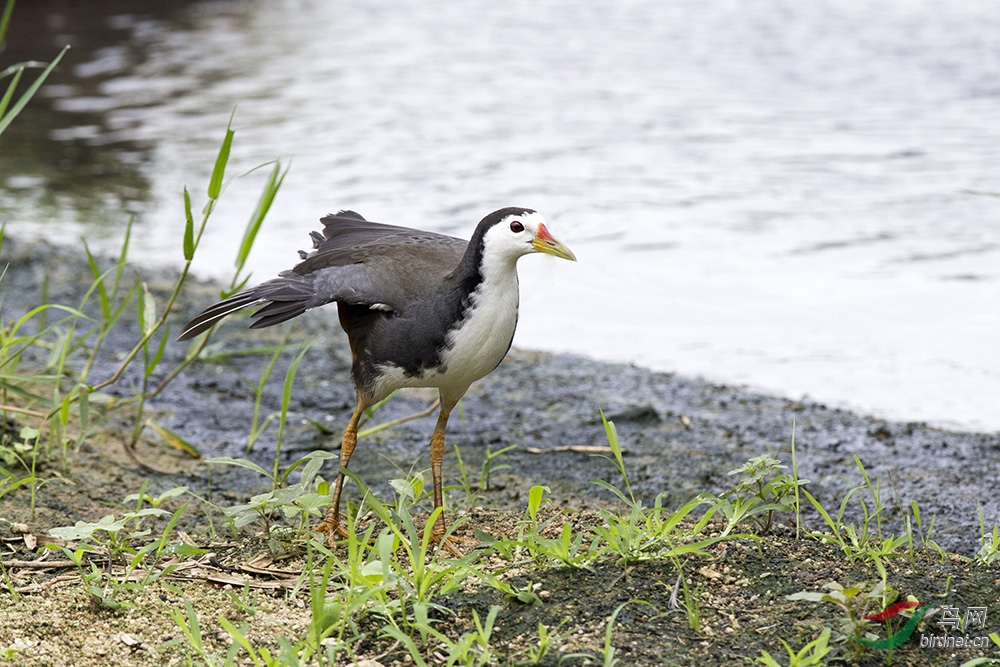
x,y
512,232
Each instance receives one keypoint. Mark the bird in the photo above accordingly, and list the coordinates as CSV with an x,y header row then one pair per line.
x,y
420,309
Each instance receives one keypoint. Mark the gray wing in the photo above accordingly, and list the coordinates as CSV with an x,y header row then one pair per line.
x,y
355,261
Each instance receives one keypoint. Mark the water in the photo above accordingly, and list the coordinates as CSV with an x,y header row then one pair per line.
x,y
796,196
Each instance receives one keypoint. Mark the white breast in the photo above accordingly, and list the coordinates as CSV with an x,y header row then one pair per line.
x,y
481,342
474,348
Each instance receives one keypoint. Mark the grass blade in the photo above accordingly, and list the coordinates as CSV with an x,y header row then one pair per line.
x,y
173,439
267,196
240,463
219,171
99,282
30,92
188,227
11,87
147,310
5,19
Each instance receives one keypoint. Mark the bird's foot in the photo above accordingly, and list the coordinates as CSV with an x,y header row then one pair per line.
x,y
451,543
333,529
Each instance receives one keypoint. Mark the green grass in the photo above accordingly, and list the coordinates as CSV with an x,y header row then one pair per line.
x,y
387,575
8,111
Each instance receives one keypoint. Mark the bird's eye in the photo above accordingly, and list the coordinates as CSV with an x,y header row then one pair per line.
x,y
516,227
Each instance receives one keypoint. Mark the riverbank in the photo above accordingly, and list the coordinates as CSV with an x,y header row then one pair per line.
x,y
680,435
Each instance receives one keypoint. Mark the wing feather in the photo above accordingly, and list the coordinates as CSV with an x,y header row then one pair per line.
x,y
357,262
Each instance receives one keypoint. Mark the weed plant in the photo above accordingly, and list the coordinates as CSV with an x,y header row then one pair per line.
x,y
866,539
989,551
60,400
9,112
122,559
812,654
642,533
760,492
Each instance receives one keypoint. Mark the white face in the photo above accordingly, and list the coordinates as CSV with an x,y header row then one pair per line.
x,y
513,236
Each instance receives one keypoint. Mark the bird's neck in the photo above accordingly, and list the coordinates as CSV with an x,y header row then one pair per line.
x,y
483,330
480,273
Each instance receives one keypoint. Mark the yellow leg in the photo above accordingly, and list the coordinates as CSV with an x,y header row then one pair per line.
x,y
331,521
437,454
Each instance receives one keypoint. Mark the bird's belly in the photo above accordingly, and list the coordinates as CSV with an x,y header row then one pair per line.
x,y
475,352
470,352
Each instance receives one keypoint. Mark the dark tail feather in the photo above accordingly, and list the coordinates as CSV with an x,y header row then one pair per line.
x,y
276,312
208,317
287,297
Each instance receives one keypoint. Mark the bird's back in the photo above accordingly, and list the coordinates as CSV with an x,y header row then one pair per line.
x,y
392,265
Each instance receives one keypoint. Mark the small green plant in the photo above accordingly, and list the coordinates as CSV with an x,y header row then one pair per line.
x,y
19,451
300,502
190,628
330,616
142,498
399,572
566,549
761,491
857,605
527,594
490,467
260,657
15,72
609,655
692,603
347,589
854,603
286,655
117,539
471,649
120,556
989,551
914,520
812,654
21,456
548,642
487,469
9,652
243,601
642,532
257,427
865,538
123,547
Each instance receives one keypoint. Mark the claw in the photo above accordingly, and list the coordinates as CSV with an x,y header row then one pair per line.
x,y
333,529
450,543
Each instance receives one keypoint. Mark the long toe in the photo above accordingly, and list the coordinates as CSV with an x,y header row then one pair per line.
x,y
453,544
334,530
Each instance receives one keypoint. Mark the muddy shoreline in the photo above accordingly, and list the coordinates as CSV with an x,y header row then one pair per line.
x,y
681,434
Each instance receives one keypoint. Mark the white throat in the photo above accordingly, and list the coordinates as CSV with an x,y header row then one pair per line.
x,y
480,343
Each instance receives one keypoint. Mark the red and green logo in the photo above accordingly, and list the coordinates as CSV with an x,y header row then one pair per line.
x,y
899,637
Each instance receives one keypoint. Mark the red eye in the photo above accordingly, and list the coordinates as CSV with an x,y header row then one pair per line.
x,y
516,227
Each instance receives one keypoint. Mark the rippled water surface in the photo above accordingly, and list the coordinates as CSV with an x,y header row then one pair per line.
x,y
797,196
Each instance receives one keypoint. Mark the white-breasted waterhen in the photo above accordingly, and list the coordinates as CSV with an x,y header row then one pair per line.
x,y
420,310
